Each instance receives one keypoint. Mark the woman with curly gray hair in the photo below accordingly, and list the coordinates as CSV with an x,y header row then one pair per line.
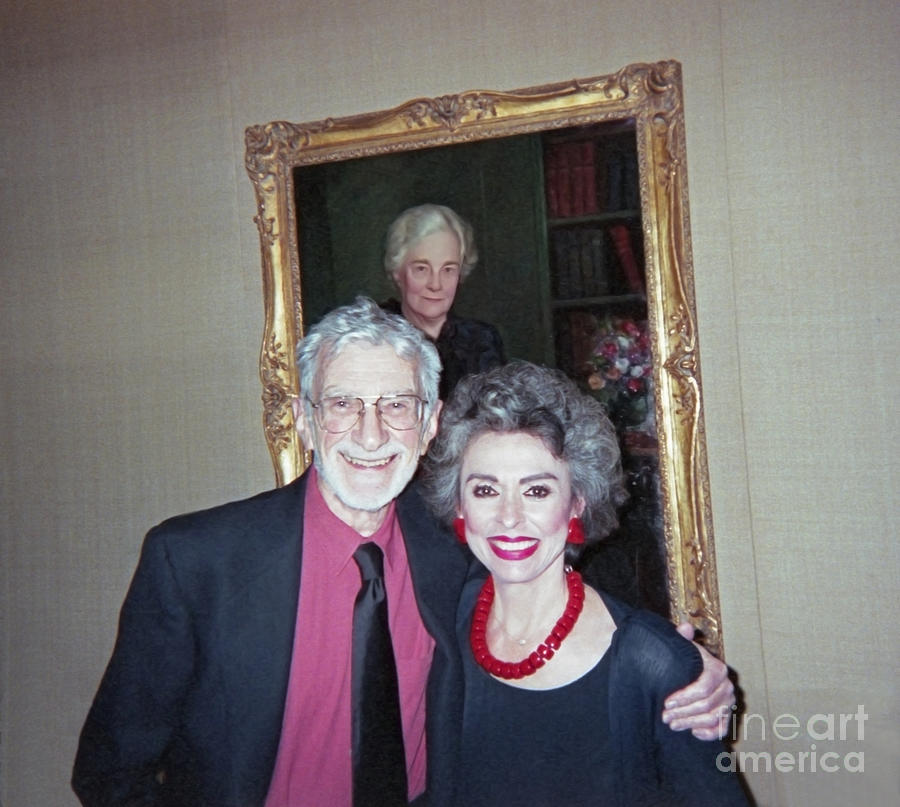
x,y
546,404
564,683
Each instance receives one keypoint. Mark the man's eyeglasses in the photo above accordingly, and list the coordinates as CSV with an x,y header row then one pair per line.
x,y
340,413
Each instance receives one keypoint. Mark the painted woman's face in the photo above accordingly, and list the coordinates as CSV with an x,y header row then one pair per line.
x,y
429,276
516,499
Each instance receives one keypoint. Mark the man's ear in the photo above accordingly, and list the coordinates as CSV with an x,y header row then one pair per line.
x,y
429,429
301,422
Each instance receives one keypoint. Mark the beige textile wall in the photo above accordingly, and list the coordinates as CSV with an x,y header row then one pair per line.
x,y
132,314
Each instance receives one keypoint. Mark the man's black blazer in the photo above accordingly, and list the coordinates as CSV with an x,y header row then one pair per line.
x,y
189,710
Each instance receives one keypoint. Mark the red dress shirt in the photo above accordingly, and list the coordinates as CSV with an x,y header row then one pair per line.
x,y
313,766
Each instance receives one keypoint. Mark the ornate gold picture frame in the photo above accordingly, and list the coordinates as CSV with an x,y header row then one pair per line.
x,y
647,96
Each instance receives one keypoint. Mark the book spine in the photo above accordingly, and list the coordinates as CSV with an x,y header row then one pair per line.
x,y
621,238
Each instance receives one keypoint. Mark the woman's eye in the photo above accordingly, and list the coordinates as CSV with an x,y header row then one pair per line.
x,y
538,491
481,491
452,269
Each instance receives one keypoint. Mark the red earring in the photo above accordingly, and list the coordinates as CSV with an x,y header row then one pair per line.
x,y
459,527
576,531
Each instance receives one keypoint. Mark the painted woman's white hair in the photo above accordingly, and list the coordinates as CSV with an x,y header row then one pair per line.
x,y
415,223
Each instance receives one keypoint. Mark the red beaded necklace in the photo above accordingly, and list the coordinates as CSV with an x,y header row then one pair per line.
x,y
544,651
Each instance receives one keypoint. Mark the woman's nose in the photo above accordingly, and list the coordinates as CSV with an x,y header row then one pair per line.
x,y
510,511
435,281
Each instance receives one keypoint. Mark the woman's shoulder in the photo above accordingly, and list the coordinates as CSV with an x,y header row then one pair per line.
x,y
648,642
468,329
467,346
392,306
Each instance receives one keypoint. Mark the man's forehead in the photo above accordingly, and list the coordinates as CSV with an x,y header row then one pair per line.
x,y
365,369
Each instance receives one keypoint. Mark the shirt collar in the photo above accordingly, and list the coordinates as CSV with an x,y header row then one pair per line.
x,y
338,541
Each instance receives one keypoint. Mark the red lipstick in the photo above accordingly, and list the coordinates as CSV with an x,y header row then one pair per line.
x,y
502,546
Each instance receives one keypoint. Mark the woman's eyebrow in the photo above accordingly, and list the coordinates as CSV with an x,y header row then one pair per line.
x,y
535,477
476,475
523,481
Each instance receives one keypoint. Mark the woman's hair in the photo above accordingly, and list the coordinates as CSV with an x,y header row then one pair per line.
x,y
365,321
415,223
522,397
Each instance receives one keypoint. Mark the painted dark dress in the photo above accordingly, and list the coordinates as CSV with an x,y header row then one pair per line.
x,y
465,346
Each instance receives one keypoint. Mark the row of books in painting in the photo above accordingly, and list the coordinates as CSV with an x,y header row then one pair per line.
x,y
594,262
586,177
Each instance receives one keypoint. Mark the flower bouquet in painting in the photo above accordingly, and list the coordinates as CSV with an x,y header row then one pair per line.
x,y
619,371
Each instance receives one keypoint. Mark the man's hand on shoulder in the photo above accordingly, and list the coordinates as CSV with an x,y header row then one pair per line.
x,y
703,706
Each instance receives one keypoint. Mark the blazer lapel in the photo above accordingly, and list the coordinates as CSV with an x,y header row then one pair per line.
x,y
438,565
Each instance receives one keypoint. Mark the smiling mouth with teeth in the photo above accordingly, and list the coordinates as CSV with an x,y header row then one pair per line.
x,y
512,543
358,462
507,547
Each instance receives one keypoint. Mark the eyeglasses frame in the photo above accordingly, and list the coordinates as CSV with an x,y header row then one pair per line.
x,y
364,402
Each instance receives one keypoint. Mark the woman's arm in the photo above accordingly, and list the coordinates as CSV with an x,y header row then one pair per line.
x,y
650,660
705,705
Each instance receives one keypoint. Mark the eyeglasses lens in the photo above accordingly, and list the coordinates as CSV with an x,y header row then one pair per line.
x,y
339,414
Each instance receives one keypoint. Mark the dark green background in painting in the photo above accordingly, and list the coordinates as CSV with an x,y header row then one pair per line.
x,y
345,208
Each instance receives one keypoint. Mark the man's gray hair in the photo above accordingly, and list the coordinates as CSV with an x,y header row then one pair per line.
x,y
364,321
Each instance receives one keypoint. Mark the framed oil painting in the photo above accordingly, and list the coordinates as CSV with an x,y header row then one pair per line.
x,y
577,192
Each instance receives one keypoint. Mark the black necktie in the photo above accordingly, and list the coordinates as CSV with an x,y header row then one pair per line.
x,y
379,762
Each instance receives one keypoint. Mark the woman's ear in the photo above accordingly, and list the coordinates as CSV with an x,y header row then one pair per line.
x,y
578,506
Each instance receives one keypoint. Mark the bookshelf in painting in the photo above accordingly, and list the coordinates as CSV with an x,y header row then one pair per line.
x,y
596,264
598,307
